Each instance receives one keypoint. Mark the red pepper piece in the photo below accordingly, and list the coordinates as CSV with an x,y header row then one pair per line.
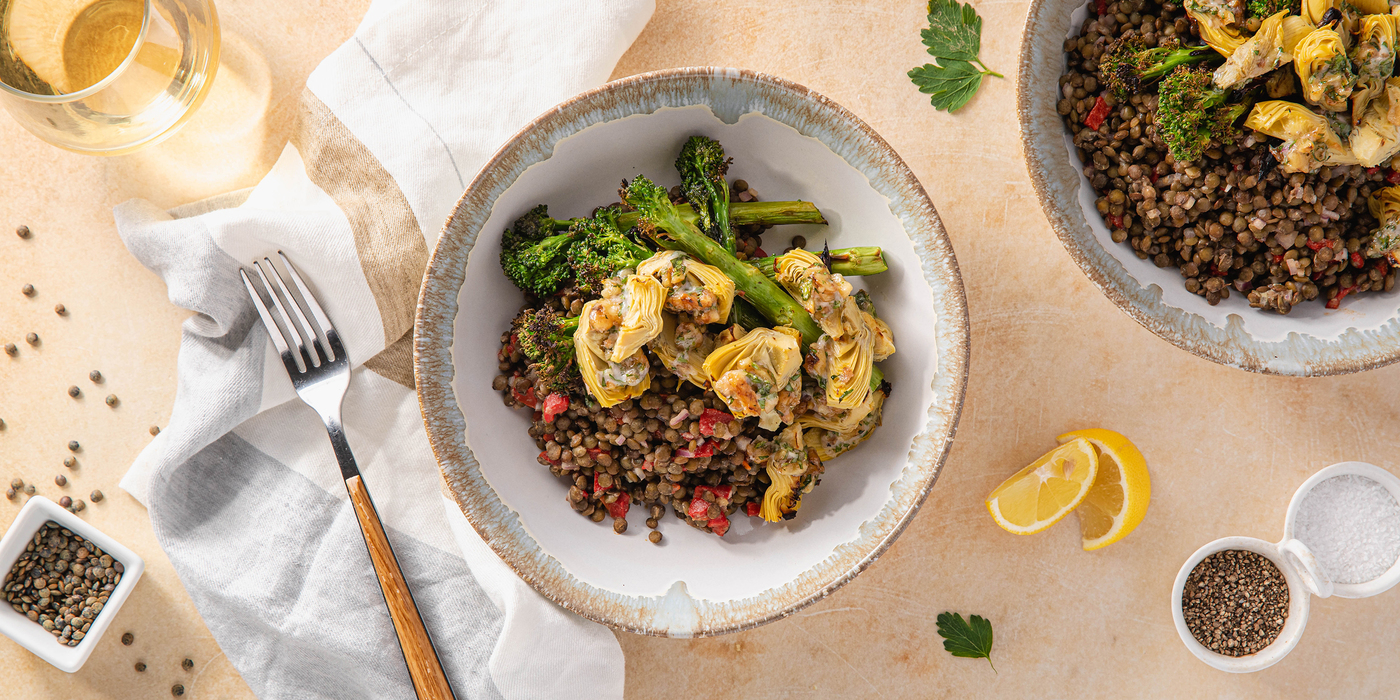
x,y
1114,221
597,452
705,450
1336,301
751,508
758,253
1372,171
712,417
1324,243
527,397
545,456
554,404
618,508
597,487
698,508
720,525
1393,177
725,492
1357,260
1101,6
1098,114
1278,258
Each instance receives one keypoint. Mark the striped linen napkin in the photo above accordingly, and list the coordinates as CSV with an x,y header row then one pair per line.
x,y
242,488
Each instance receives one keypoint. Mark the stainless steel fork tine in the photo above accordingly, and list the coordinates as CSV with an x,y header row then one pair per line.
x,y
332,337
266,315
313,339
286,318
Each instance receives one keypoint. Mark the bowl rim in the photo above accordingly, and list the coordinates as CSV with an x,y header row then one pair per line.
x,y
1263,357
433,373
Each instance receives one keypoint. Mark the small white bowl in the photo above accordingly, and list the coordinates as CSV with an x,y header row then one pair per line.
x,y
28,634
1381,583
1298,600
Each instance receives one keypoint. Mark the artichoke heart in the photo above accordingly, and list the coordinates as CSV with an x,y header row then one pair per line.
x,y
830,444
694,289
1259,54
1392,94
1218,22
1313,11
759,375
792,468
1308,141
1385,241
1376,139
682,347
882,338
610,383
843,366
824,416
1374,59
640,306
824,294
1324,69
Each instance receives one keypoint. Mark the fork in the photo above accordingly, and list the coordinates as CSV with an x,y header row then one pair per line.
x,y
321,378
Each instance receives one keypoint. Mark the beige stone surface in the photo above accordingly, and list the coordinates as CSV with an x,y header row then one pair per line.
x,y
1050,354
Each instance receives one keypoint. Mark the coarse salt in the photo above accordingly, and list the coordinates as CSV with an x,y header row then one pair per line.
x,y
1352,525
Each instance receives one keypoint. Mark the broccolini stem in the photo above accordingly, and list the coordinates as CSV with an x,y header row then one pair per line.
x,y
744,314
862,260
750,284
743,213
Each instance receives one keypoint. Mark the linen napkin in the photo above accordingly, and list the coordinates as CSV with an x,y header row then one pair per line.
x,y
243,490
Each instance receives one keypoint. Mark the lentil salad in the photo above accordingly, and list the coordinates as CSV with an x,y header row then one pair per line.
x,y
668,360
1233,208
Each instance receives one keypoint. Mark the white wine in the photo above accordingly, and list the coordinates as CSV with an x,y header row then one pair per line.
x,y
106,76
98,40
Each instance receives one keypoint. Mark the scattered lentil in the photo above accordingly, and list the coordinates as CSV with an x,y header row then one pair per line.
x,y
60,309
22,231
140,667
177,690
27,290
73,446
74,391
56,584
128,639
65,501
11,350
16,484
32,338
29,489
155,430
740,185
61,480
96,496
187,664
1235,602
10,494
111,399
78,505
655,537
70,462
95,376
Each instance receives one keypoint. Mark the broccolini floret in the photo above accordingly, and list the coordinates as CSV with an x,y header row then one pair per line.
x,y
1192,112
703,166
602,250
534,255
1269,8
547,339
1128,65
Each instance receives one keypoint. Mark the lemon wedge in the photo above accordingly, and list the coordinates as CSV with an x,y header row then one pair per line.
x,y
1117,501
1046,491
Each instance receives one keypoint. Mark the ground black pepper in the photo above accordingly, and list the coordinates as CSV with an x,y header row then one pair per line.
x,y
1235,602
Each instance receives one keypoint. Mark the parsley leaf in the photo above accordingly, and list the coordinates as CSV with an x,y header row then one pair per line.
x,y
954,31
972,641
953,38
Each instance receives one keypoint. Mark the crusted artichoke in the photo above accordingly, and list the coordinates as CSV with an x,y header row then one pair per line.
x,y
1324,69
759,375
1308,141
700,292
1385,241
682,347
830,443
1374,59
610,383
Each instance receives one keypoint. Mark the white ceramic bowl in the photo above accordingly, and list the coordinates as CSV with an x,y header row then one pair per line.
x,y
37,511
1298,601
1312,340
789,143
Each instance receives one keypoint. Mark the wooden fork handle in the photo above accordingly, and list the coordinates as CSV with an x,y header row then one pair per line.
x,y
423,665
